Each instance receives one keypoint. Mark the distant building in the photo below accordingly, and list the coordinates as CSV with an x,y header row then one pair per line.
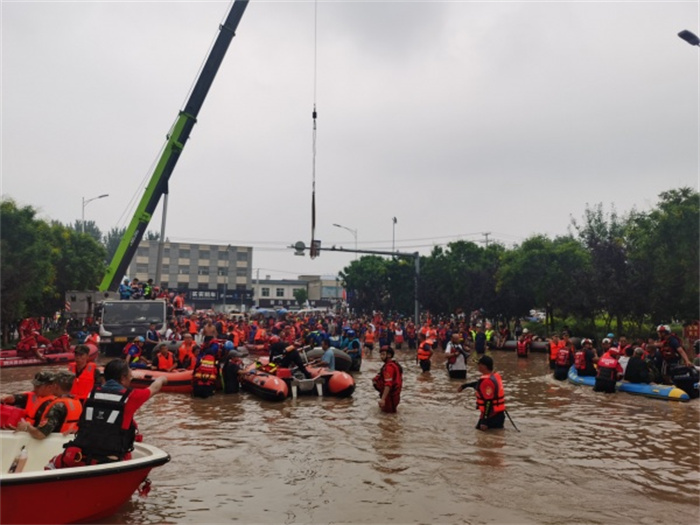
x,y
204,272
322,293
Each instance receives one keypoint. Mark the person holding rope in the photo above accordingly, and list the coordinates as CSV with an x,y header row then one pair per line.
x,y
490,398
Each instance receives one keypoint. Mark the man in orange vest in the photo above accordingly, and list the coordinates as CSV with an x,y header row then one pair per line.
x,y
490,398
86,373
62,413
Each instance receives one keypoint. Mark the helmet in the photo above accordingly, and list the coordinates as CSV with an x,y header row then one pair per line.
x,y
228,345
663,328
139,339
586,341
351,333
525,330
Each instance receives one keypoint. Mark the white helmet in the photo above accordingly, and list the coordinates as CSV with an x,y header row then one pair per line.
x,y
663,328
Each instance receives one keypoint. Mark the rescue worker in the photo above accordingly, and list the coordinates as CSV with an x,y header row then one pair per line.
x,y
609,372
490,397
555,344
205,375
35,402
186,357
164,361
585,359
369,339
563,361
107,430
134,353
388,381
672,351
230,368
285,355
425,352
61,414
86,373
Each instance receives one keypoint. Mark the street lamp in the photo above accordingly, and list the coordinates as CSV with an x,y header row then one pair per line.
x,y
354,234
393,234
689,37
85,203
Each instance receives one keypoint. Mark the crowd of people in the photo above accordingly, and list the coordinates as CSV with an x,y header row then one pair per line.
x,y
69,401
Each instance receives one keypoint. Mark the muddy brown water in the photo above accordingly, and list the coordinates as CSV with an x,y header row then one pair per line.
x,y
580,456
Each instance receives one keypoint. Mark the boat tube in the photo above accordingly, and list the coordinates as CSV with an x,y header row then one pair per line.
x,y
11,358
667,392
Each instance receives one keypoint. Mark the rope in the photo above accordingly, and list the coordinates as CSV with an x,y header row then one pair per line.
x,y
314,114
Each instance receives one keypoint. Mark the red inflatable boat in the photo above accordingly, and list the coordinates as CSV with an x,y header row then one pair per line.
x,y
10,358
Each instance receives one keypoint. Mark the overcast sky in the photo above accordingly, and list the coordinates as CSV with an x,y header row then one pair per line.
x,y
460,119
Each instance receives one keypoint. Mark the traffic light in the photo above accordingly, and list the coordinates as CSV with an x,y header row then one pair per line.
x,y
315,249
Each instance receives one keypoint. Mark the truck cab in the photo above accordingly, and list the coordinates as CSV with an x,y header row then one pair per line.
x,y
122,320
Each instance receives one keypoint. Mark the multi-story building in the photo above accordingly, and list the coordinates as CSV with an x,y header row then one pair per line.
x,y
208,273
321,292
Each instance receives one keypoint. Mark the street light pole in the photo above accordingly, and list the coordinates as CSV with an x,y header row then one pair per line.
x,y
85,203
393,234
228,269
354,234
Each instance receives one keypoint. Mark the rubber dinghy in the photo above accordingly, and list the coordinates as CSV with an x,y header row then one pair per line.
x,y
284,383
10,358
667,392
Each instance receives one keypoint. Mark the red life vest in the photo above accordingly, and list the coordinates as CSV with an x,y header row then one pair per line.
x,y
523,347
608,367
667,351
580,360
84,382
205,373
485,394
392,369
74,410
563,357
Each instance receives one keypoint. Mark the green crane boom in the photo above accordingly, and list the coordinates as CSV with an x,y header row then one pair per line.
x,y
158,184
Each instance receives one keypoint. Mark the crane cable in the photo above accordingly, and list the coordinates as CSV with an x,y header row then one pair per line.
x,y
313,251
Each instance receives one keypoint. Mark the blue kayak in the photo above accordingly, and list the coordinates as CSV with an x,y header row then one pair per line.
x,y
668,392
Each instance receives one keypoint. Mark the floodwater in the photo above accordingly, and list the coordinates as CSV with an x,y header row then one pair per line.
x,y
580,457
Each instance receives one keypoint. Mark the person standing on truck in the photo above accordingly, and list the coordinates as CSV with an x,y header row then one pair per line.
x,y
125,290
152,339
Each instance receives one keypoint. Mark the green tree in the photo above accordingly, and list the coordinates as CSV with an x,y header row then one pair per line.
x,y
367,284
664,248
25,262
78,263
301,295
111,241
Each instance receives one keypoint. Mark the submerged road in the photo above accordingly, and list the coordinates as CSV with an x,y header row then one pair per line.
x,y
580,457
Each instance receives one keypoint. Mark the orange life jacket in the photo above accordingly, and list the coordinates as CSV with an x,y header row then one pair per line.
x,y
369,337
164,362
554,349
36,406
74,410
424,351
498,400
84,382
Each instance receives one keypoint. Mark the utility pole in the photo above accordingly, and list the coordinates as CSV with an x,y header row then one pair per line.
x,y
486,238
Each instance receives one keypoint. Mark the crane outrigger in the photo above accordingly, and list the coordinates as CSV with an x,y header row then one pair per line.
x,y
177,138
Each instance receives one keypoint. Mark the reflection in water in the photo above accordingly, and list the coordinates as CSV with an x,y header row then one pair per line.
x,y
580,456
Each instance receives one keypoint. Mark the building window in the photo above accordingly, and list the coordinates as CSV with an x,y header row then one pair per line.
x,y
142,251
166,268
203,286
203,254
184,270
223,256
265,292
203,270
166,252
241,272
279,292
242,256
222,271
141,268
